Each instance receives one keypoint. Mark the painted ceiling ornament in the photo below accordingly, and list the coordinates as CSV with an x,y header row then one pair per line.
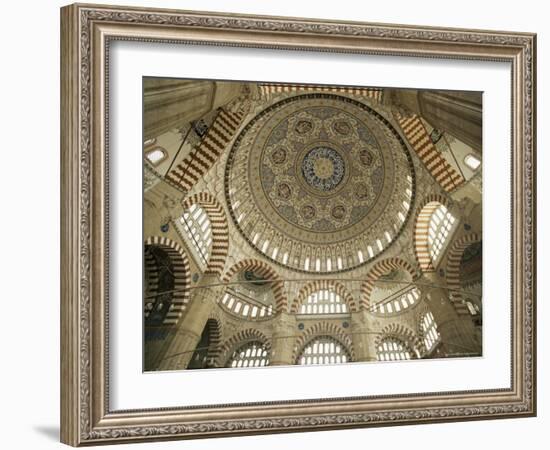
x,y
366,157
361,191
342,127
338,212
308,212
323,173
304,126
323,168
284,191
278,155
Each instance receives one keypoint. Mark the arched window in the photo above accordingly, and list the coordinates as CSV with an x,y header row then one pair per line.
x,y
241,305
398,302
252,354
197,225
428,328
156,155
250,293
324,301
392,349
472,161
472,307
441,223
324,350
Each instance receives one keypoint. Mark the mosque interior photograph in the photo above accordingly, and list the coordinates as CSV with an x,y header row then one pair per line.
x,y
300,224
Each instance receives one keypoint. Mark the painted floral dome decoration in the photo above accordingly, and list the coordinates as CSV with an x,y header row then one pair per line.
x,y
319,183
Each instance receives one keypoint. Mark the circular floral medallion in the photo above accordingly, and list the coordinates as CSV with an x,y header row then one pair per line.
x,y
323,168
308,212
315,175
284,191
278,156
342,127
304,126
338,212
366,157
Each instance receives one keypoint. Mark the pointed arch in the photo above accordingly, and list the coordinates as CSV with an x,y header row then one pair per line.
x,y
421,229
454,257
266,271
403,334
181,273
240,338
317,285
220,229
381,268
394,349
323,329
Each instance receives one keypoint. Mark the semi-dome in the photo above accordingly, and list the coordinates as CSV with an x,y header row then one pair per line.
x,y
319,183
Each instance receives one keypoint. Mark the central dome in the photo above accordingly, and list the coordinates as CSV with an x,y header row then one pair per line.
x,y
319,182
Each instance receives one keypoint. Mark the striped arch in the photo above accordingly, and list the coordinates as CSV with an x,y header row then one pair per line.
x,y
182,276
214,327
238,339
193,167
403,334
220,230
419,331
265,270
267,90
454,257
382,268
421,228
323,329
317,285
420,141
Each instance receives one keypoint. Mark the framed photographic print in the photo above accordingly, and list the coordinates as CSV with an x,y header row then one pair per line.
x,y
277,225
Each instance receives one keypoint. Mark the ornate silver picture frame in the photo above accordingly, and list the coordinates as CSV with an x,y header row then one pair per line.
x,y
87,34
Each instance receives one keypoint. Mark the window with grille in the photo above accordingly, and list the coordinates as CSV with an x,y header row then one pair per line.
x,y
324,350
156,156
252,354
429,331
392,349
473,308
197,225
239,305
441,223
324,301
398,302
472,162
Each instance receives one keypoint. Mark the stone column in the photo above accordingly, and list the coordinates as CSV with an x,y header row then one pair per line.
x,y
172,103
363,334
459,336
188,332
283,340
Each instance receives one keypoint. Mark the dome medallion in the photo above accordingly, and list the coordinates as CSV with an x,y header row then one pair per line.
x,y
323,168
319,183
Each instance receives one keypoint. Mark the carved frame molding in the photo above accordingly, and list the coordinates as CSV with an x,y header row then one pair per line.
x,y
86,31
